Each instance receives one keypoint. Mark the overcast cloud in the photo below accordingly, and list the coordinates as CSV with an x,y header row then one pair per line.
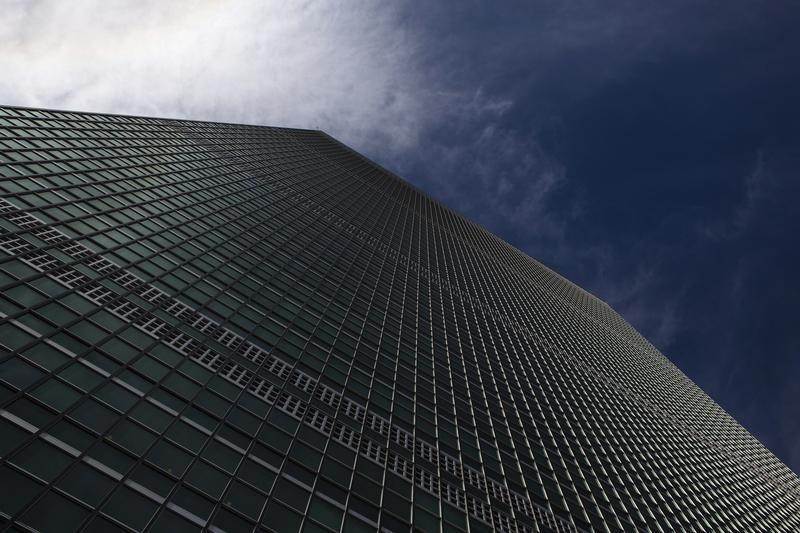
x,y
355,73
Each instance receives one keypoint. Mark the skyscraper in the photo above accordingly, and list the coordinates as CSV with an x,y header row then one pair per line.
x,y
246,328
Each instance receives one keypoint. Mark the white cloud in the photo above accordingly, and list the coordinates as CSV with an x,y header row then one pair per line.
x,y
350,68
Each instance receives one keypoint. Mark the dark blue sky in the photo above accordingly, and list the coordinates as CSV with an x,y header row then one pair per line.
x,y
649,152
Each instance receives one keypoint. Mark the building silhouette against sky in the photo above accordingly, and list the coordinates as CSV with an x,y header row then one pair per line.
x,y
242,328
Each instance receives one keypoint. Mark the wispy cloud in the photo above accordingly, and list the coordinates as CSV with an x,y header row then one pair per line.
x,y
732,227
639,295
500,178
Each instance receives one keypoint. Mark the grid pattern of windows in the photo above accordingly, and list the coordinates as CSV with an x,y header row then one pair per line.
x,y
239,328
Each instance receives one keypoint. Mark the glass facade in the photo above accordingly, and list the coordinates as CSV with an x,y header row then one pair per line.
x,y
244,328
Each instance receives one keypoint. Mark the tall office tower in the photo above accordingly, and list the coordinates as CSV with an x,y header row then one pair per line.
x,y
246,328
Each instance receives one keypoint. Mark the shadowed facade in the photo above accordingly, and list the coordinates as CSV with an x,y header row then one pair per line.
x,y
239,327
